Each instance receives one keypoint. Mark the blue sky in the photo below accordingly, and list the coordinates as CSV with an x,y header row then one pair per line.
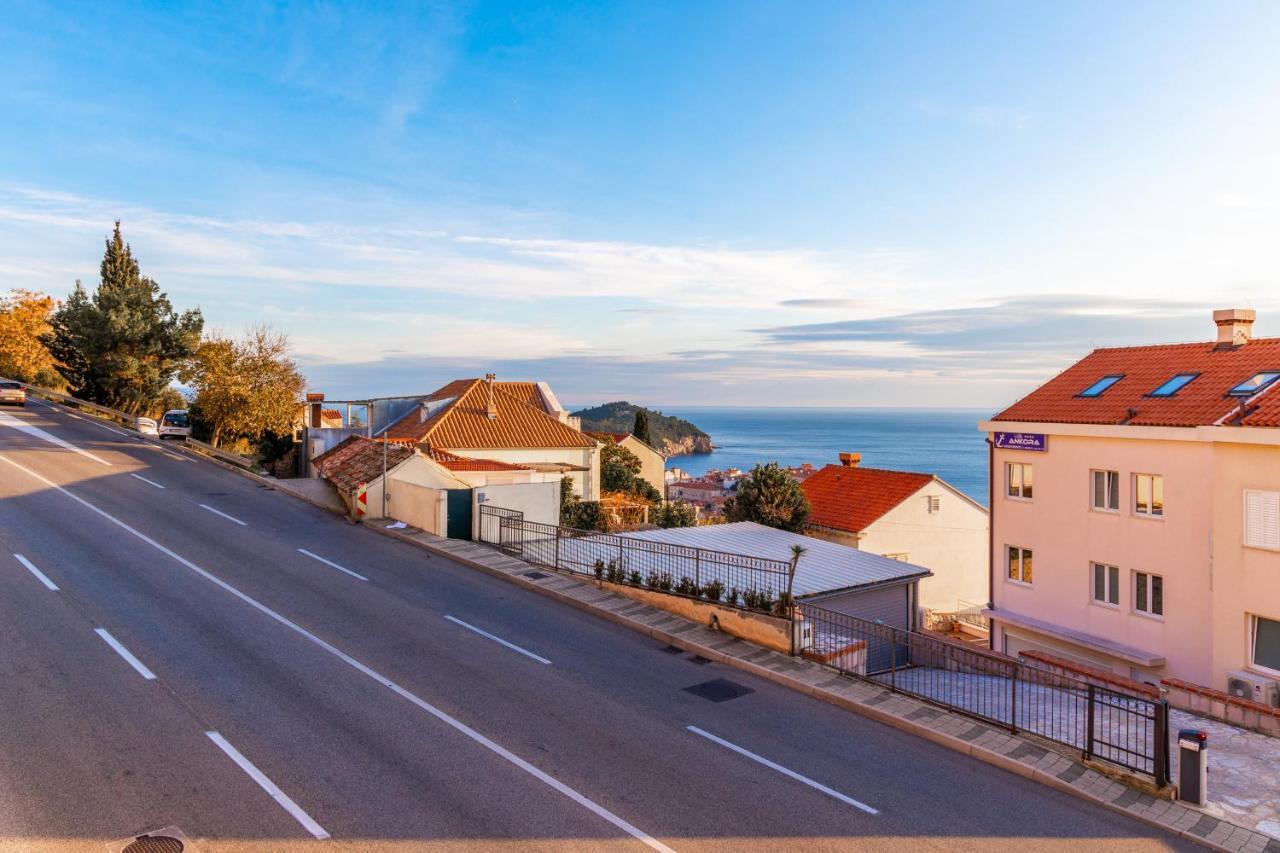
x,y
675,203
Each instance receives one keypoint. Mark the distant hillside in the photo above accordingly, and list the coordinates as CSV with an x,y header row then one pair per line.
x,y
673,436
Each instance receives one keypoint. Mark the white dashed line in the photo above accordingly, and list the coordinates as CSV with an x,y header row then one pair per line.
x,y
39,574
125,653
21,426
285,801
224,515
498,640
331,564
145,480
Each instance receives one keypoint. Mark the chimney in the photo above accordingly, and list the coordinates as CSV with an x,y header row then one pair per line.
x,y
1235,326
315,400
850,460
492,411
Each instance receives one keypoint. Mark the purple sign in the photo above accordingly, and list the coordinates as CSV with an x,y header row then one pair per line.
x,y
1022,441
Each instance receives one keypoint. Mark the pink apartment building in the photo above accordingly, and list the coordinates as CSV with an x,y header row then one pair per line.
x,y
1135,513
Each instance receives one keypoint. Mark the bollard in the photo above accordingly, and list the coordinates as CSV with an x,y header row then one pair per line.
x,y
1193,763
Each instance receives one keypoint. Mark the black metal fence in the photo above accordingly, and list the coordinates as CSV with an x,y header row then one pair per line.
x,y
732,580
1125,729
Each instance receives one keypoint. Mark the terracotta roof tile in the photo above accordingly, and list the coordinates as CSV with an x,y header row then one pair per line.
x,y
1201,402
854,498
357,460
462,421
454,462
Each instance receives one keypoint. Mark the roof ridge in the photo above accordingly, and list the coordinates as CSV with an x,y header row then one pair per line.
x,y
1212,345
882,470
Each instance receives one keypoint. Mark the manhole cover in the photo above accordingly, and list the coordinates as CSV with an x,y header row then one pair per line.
x,y
719,690
154,844
537,576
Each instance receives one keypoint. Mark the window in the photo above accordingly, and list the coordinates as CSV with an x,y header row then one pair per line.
x,y
1106,584
1265,644
901,557
1262,519
1254,384
1019,564
1106,490
1101,385
1148,593
935,503
1018,478
1148,494
1173,385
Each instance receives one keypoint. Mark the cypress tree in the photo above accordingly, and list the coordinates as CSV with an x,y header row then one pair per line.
x,y
641,428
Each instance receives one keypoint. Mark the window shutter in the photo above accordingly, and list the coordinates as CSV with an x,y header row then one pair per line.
x,y
1262,519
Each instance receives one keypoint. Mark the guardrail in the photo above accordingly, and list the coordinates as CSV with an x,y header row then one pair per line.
x,y
67,399
230,458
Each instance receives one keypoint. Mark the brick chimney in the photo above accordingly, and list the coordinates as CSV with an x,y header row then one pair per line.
x,y
492,411
850,460
1235,326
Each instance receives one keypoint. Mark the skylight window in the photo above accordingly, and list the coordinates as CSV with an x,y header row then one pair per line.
x,y
1096,389
1173,385
1254,384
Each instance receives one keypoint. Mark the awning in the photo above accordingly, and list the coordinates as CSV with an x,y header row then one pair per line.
x,y
1110,648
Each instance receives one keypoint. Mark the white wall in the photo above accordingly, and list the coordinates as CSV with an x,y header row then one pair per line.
x,y
421,506
585,483
653,465
540,502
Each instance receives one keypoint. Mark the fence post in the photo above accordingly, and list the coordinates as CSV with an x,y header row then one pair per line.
x,y
1013,700
1160,753
697,568
1088,737
893,658
557,554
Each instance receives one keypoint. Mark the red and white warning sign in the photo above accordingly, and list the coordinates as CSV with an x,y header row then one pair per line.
x,y
362,499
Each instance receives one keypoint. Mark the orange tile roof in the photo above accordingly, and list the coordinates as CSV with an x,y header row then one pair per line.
x,y
454,462
854,498
1201,402
525,391
463,422
618,437
357,460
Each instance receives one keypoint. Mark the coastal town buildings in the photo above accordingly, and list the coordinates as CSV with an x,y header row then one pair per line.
x,y
1136,513
913,517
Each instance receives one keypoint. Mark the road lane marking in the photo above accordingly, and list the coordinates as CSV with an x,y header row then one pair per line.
x,y
41,576
498,640
224,515
332,564
286,802
125,653
818,786
455,724
14,423
145,480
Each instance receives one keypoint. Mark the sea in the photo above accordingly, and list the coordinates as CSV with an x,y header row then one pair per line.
x,y
945,442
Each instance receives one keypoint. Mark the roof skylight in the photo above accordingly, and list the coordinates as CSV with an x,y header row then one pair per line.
x,y
1254,384
1173,385
1101,385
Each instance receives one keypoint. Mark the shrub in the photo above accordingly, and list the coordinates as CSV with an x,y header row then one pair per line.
x,y
712,591
686,586
732,597
662,581
599,569
784,604
633,578
615,573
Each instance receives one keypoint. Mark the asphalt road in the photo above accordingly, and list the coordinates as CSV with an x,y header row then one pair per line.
x,y
181,647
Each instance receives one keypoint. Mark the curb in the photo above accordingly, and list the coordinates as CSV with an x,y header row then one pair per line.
x,y
983,754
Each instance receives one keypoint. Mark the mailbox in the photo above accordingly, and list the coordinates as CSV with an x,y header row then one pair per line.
x,y
1193,763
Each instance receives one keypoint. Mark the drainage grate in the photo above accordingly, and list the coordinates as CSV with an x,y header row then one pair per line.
x,y
700,660
154,844
537,576
671,650
719,690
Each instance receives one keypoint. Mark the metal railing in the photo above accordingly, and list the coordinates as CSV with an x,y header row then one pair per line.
x,y
1125,729
731,580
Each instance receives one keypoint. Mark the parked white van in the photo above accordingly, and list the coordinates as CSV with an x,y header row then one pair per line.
x,y
175,424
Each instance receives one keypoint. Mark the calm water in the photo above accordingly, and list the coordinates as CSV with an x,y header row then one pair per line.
x,y
944,442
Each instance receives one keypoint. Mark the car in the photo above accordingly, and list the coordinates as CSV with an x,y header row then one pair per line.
x,y
146,426
176,423
13,394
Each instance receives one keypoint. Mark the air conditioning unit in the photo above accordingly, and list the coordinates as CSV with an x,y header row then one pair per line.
x,y
1255,688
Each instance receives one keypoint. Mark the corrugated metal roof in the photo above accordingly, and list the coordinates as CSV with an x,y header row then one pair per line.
x,y
825,566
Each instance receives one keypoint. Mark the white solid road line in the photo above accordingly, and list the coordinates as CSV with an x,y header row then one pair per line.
x,y
498,640
125,653
332,564
145,480
11,421
39,574
307,821
455,724
818,786
224,515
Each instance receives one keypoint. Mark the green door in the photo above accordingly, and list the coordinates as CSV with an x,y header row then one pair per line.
x,y
459,507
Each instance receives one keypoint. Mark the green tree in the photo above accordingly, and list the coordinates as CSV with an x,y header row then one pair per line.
x,y
122,345
769,496
24,323
618,468
641,427
246,387
674,514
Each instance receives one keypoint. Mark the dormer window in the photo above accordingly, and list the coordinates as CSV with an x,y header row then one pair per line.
x,y
1096,389
1254,384
1173,385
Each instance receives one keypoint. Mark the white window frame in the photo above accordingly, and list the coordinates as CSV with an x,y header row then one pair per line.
x,y
1252,627
1266,544
1151,578
1110,584
1023,468
1022,559
1110,478
1151,511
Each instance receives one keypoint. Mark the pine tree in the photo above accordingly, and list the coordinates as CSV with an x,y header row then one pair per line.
x,y
641,428
769,496
124,344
